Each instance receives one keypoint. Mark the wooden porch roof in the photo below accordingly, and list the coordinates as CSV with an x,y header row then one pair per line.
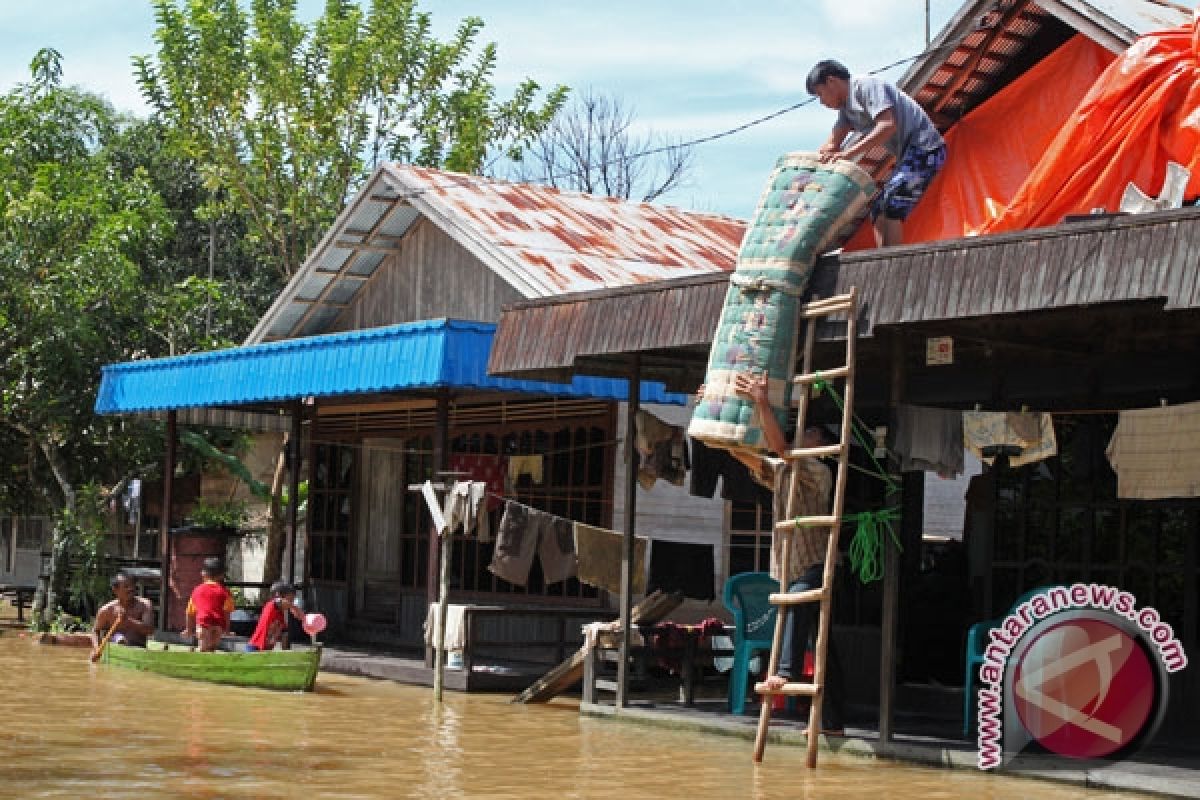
x,y
1106,260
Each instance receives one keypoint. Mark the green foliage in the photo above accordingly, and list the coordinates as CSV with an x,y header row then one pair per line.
x,y
225,514
78,554
285,117
92,272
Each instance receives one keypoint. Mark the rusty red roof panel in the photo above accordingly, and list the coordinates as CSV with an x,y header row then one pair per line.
x,y
557,241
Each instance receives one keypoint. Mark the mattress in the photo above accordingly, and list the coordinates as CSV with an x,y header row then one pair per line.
x,y
807,209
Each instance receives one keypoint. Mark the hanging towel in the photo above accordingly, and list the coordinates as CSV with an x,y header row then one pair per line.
x,y
464,507
682,567
526,465
556,548
599,553
1032,432
516,543
435,508
1156,452
455,631
928,440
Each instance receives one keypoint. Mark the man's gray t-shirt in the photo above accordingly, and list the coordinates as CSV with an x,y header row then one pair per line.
x,y
869,96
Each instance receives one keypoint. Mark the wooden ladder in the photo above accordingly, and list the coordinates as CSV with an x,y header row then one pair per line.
x,y
809,315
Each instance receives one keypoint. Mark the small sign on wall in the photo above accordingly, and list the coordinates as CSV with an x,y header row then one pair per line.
x,y
939,350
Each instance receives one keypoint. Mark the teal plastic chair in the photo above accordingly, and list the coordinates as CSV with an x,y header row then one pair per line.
x,y
977,639
746,596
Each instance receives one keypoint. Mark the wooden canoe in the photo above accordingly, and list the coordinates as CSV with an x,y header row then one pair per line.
x,y
290,670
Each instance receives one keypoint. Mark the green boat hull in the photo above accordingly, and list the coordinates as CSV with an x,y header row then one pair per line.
x,y
289,670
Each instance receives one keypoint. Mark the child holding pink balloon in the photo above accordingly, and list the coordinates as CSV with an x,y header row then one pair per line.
x,y
272,623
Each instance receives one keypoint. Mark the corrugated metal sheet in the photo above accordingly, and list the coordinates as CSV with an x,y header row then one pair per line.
x,y
422,355
539,240
556,242
1109,260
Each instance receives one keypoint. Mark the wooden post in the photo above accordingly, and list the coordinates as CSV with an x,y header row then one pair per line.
x,y
293,492
891,579
634,399
442,545
164,522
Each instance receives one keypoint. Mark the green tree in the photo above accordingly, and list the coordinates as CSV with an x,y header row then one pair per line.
x,y
285,117
90,274
71,239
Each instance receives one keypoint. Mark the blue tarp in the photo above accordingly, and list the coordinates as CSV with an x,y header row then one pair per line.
x,y
440,353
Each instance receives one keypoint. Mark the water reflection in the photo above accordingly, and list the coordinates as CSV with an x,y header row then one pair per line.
x,y
74,730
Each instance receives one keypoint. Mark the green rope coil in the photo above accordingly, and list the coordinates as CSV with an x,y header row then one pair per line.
x,y
866,549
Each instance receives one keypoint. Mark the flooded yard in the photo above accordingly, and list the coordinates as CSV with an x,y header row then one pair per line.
x,y
72,729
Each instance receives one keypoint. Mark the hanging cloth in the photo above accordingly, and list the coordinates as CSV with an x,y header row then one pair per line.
x,y
662,452
1030,434
928,440
599,553
1156,452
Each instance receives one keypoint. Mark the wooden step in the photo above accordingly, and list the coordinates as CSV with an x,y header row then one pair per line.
x,y
824,308
790,689
797,598
823,375
806,522
814,452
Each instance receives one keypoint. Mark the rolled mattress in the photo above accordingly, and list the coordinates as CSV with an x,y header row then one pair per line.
x,y
808,208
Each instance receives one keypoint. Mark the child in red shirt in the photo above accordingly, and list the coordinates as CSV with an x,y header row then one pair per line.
x,y
209,607
272,623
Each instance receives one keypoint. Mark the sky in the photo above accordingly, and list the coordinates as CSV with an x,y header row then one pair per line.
x,y
687,69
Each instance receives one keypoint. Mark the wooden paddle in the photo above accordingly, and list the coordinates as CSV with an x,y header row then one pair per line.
x,y
99,651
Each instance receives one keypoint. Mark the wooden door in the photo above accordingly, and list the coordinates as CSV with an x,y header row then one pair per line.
x,y
377,582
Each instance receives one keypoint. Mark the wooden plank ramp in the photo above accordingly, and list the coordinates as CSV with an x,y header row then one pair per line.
x,y
653,608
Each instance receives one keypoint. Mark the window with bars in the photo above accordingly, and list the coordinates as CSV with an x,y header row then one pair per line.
x,y
1059,521
576,464
330,512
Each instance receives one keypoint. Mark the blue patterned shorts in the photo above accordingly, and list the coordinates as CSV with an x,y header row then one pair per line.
x,y
904,188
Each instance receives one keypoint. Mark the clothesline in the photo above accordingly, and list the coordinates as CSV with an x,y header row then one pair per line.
x,y
428,452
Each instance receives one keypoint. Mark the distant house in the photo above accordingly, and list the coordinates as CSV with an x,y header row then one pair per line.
x,y
379,344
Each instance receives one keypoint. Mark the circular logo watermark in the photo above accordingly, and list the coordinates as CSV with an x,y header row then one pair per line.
x,y
1075,671
1085,687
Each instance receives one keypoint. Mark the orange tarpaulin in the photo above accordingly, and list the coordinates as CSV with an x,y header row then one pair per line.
x,y
993,149
1143,111
1065,138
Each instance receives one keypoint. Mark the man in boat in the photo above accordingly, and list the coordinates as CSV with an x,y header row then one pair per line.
x,y
132,615
806,558
884,115
272,625
209,607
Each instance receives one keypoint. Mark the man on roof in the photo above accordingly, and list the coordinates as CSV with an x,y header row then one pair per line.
x,y
880,114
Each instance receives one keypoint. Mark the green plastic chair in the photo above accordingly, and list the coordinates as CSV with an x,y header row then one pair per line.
x,y
977,640
747,598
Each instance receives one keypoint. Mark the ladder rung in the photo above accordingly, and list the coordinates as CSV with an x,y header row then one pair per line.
x,y
825,309
823,375
797,598
815,452
790,689
836,300
806,522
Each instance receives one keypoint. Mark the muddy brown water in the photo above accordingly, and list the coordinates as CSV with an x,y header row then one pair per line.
x,y
71,729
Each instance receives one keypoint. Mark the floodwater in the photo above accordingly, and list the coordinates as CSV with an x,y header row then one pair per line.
x,y
71,729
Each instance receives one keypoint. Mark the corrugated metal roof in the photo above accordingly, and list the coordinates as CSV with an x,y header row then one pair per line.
x,y
540,240
420,355
989,43
1108,260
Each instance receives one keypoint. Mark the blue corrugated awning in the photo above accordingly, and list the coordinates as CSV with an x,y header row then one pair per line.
x,y
440,353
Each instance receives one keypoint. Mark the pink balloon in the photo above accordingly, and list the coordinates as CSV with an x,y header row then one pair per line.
x,y
314,624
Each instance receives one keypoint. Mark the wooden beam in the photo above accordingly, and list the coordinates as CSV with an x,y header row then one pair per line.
x,y
891,579
635,393
164,521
